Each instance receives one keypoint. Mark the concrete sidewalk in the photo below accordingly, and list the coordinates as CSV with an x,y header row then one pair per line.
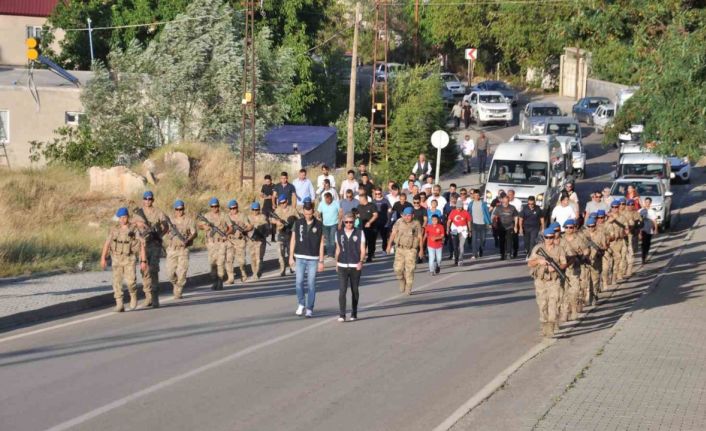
x,y
35,299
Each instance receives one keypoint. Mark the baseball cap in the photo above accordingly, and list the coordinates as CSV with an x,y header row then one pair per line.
x,y
232,203
255,206
178,204
121,212
148,195
213,202
407,211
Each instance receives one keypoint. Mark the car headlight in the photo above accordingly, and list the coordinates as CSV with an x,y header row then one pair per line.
x,y
685,160
538,127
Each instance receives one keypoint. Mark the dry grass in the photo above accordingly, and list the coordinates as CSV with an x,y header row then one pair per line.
x,y
50,221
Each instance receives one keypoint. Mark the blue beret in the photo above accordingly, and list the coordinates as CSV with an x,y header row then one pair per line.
x,y
232,203
121,212
630,202
178,204
147,195
555,226
282,198
600,213
306,200
591,221
407,211
255,206
549,231
570,222
622,200
213,202
593,214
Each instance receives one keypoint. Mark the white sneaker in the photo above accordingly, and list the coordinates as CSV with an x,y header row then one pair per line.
x,y
309,313
341,319
352,319
300,310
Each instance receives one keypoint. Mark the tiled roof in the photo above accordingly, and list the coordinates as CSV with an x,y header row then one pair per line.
x,y
27,7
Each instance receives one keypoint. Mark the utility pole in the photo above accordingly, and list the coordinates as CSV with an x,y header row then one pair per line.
x,y
90,38
379,113
350,145
248,133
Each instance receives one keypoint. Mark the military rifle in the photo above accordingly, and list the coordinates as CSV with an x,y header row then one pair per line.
x,y
173,229
214,228
153,230
552,263
240,229
286,225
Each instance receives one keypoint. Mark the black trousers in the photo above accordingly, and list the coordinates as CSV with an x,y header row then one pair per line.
x,y
505,240
371,236
384,233
530,238
646,243
457,247
515,244
482,160
348,277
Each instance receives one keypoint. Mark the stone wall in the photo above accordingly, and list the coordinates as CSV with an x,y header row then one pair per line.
x,y
596,87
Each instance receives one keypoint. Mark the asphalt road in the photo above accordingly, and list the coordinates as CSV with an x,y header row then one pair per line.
x,y
241,360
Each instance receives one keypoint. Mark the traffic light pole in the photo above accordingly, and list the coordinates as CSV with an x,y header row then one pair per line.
x,y
90,38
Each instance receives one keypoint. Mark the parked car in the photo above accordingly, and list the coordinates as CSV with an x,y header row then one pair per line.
x,y
583,109
499,86
390,69
631,136
489,106
645,164
448,97
647,187
603,117
681,168
453,84
533,117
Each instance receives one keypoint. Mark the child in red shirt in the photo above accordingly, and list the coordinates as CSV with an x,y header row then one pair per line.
x,y
435,242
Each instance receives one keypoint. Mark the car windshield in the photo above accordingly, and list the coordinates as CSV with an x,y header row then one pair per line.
x,y
650,169
518,172
568,129
449,78
491,98
643,189
545,111
610,112
595,103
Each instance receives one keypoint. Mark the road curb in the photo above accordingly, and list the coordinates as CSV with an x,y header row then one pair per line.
x,y
100,300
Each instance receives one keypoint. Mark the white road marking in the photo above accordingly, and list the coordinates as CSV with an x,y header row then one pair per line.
x,y
232,357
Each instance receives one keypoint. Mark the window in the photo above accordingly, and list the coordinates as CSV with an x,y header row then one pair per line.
x,y
33,31
518,172
4,126
563,129
492,98
73,118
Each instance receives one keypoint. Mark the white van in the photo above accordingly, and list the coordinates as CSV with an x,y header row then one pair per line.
x,y
603,117
565,160
645,164
530,168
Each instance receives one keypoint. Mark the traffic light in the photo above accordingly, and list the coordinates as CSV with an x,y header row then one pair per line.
x,y
32,49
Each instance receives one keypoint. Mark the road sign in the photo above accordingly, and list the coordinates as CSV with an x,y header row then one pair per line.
x,y
471,54
439,140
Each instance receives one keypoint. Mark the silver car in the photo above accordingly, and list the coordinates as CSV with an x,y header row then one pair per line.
x,y
647,187
534,116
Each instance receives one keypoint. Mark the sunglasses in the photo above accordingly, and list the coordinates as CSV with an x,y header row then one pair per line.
x,y
214,206
179,209
148,199
570,227
348,222
622,205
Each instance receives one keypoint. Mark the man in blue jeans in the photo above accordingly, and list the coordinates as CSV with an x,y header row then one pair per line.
x,y
480,220
307,247
331,215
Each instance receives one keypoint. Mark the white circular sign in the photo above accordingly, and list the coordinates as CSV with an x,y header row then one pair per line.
x,y
440,139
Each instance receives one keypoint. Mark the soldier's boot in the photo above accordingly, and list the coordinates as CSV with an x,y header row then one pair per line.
x,y
214,285
177,292
133,301
243,274
547,329
220,284
119,308
148,300
403,286
231,275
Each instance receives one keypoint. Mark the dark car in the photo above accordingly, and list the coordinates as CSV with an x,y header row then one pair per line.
x,y
508,92
583,109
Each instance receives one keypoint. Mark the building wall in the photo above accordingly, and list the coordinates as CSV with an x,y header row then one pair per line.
x,y
324,154
596,87
13,32
574,65
27,124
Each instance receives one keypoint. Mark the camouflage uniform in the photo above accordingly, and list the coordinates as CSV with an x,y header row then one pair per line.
x,y
153,247
216,246
547,286
256,245
617,247
595,267
124,248
235,248
633,219
608,232
284,236
178,253
406,250
576,250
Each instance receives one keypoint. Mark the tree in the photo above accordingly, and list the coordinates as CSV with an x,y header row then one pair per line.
x,y
417,111
361,137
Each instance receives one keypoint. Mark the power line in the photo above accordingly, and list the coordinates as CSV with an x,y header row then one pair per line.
x,y
151,24
484,3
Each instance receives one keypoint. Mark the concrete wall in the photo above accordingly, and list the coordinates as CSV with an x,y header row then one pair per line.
x,y
27,124
574,65
13,33
324,154
596,87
